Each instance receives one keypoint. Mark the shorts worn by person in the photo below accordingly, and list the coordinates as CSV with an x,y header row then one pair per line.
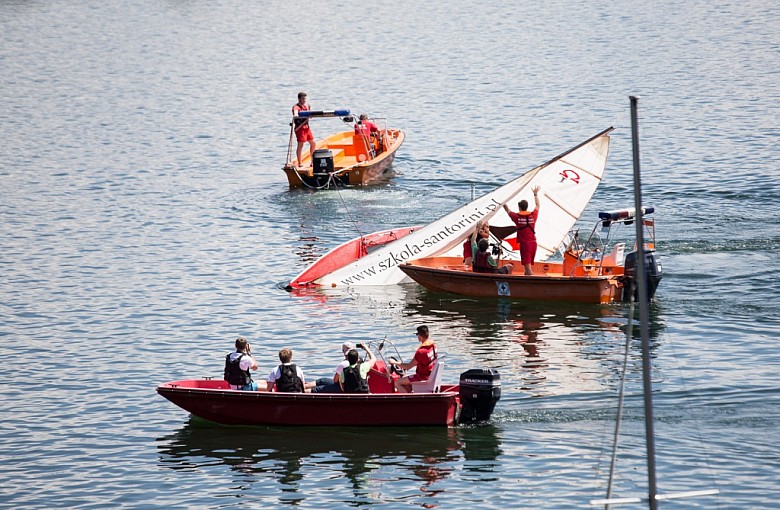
x,y
237,367
526,230
287,377
423,362
331,385
301,127
354,377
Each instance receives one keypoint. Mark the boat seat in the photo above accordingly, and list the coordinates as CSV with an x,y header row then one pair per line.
x,y
616,256
433,384
335,150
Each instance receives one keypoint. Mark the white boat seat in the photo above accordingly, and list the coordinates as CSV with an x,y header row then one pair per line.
x,y
616,256
433,384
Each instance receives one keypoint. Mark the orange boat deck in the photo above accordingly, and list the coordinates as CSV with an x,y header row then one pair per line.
x,y
357,160
571,280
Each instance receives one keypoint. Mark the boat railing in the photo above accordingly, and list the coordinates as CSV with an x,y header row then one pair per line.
x,y
600,248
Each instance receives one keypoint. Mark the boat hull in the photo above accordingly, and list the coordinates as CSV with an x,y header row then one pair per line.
x,y
353,164
549,282
347,253
212,400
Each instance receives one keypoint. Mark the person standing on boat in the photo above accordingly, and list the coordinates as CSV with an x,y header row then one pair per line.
x,y
287,377
525,221
354,377
237,366
303,132
423,361
483,232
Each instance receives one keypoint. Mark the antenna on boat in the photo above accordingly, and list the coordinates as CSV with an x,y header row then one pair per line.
x,y
644,328
644,312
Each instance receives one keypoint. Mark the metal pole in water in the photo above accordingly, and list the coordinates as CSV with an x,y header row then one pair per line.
x,y
644,313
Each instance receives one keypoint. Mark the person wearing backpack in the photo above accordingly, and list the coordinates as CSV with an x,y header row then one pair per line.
x,y
287,377
237,366
354,377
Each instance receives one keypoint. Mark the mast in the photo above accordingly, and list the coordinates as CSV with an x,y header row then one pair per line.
x,y
644,312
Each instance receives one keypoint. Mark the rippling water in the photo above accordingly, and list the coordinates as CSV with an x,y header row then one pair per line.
x,y
146,223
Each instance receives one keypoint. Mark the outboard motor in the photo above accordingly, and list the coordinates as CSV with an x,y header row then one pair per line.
x,y
654,273
480,389
322,165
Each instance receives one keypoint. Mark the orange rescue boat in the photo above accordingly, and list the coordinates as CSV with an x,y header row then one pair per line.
x,y
347,158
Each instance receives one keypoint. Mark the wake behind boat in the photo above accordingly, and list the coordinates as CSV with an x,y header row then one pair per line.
x,y
593,271
355,157
568,180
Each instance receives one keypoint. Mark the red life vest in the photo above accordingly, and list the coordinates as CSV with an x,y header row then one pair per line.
x,y
481,264
299,122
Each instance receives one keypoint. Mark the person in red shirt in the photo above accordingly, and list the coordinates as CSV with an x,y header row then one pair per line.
x,y
303,132
525,221
365,127
423,361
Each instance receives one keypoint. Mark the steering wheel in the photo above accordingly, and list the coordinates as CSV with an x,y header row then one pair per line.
x,y
394,369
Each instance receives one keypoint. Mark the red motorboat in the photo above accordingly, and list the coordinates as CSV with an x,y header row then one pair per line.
x,y
430,403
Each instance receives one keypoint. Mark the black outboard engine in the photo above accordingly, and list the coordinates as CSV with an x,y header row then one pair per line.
x,y
322,165
654,273
480,389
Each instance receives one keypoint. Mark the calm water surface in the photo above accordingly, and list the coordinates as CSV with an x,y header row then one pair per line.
x,y
145,223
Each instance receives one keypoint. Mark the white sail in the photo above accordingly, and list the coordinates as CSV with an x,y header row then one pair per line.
x,y
567,184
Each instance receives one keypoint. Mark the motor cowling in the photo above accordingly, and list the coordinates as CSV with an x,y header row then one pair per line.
x,y
653,271
480,390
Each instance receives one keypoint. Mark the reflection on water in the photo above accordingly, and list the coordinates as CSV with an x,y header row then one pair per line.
x,y
540,349
361,455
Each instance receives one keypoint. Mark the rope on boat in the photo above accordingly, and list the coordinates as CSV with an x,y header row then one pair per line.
x,y
621,399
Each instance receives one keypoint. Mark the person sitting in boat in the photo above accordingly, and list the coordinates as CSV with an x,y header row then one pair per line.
x,y
369,131
302,129
423,361
483,232
287,377
483,260
237,366
365,127
354,377
525,221
331,385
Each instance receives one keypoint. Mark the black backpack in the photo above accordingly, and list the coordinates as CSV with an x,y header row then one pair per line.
x,y
288,381
353,383
233,373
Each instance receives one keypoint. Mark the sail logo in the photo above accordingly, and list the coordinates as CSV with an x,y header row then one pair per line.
x,y
571,175
410,250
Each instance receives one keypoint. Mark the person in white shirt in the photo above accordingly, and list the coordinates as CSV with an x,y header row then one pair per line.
x,y
237,367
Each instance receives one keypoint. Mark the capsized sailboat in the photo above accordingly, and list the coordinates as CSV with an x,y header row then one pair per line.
x,y
568,182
